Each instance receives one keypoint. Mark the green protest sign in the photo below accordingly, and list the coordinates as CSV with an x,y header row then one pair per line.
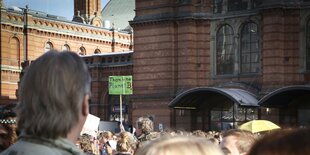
x,y
120,85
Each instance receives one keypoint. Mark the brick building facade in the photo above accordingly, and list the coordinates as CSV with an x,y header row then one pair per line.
x,y
221,59
26,34
197,64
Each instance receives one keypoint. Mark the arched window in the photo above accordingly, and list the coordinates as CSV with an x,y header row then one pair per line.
x,y
48,46
250,57
97,51
65,47
308,47
82,51
15,52
224,51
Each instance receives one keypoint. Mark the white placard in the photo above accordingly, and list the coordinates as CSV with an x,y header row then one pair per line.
x,y
91,125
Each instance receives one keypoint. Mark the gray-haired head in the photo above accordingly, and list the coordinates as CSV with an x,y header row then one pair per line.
x,y
51,94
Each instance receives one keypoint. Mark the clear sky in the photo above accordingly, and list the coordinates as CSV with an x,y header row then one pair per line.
x,y
62,8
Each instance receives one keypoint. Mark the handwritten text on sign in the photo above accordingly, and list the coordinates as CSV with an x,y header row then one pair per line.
x,y
120,85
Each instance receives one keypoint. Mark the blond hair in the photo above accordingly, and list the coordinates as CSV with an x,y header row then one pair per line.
x,y
106,134
179,145
245,139
126,142
145,124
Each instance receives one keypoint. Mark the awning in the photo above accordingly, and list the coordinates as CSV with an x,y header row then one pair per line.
x,y
283,96
209,96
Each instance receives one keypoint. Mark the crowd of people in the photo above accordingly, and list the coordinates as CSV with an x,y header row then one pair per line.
x,y
53,106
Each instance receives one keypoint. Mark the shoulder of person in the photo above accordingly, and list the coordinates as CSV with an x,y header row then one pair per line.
x,y
152,135
25,147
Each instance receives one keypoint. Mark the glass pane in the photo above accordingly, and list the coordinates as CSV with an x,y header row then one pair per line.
x,y
215,115
224,51
227,115
215,126
308,49
253,28
254,57
228,68
245,48
227,125
48,46
251,114
227,112
304,117
254,37
245,68
240,114
255,67
249,48
220,39
254,47
237,5
246,58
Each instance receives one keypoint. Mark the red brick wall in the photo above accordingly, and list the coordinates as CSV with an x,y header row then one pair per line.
x,y
169,57
280,48
41,31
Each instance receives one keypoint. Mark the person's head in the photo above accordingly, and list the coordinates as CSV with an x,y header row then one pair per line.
x,y
237,142
126,143
85,143
144,125
53,95
199,133
179,145
283,142
105,136
8,135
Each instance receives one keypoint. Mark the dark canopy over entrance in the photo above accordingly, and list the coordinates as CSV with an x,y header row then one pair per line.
x,y
284,96
209,96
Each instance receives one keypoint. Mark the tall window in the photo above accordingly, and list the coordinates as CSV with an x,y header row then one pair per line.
x,y
48,46
97,51
82,51
14,52
65,47
308,47
237,5
224,51
250,49
218,6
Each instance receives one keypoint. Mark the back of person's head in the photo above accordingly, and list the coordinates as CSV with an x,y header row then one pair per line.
x,y
126,142
145,124
243,139
107,135
199,133
179,145
283,142
51,94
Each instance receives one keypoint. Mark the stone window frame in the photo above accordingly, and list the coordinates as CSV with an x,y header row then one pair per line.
x,y
237,24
